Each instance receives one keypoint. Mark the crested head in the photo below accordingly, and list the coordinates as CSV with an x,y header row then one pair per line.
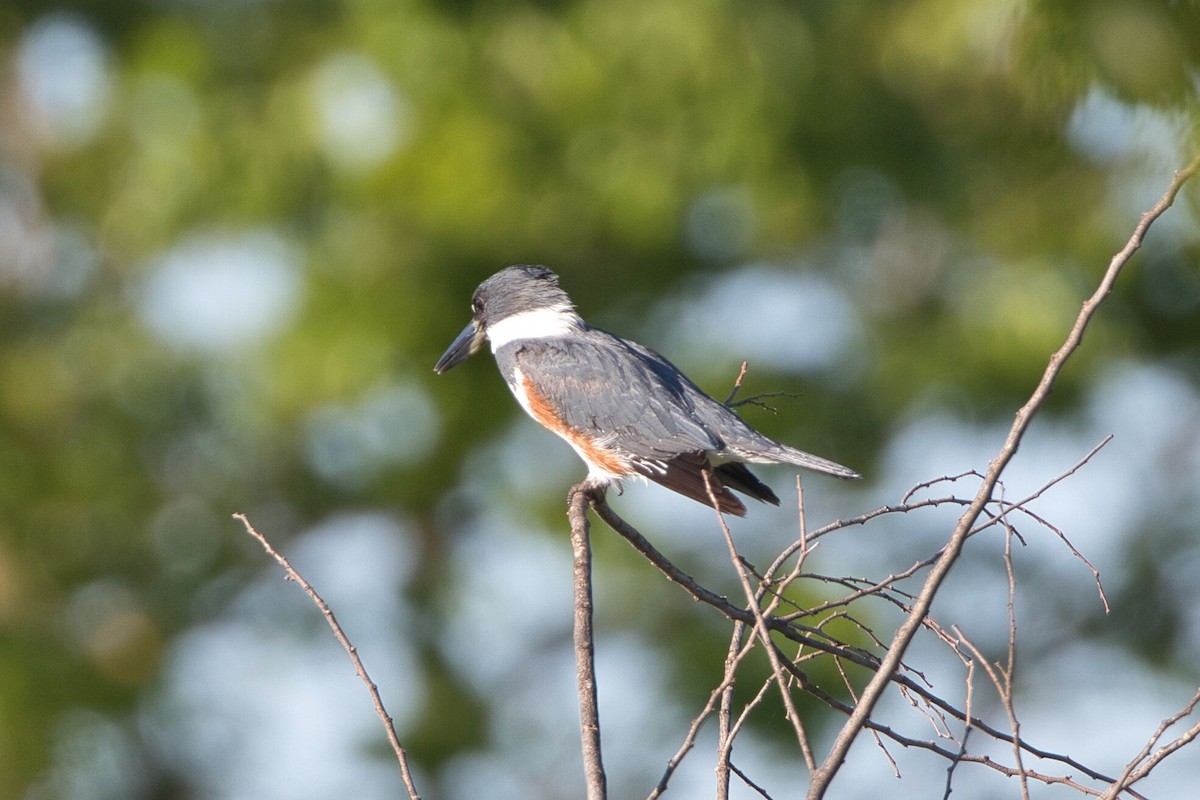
x,y
523,302
515,290
516,304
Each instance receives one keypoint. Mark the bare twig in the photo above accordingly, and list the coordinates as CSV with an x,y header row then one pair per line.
x,y
726,730
760,627
962,751
725,751
1002,680
824,775
801,546
746,780
753,400
350,649
1023,506
580,496
737,385
1144,762
875,734
737,652
1010,666
908,496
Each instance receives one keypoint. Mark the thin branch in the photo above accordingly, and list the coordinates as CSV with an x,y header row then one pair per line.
x,y
351,650
726,728
841,668
760,627
737,652
731,661
1002,681
737,385
824,775
746,780
753,400
935,481
1133,772
725,751
801,546
962,751
580,496
1022,504
752,703
1010,666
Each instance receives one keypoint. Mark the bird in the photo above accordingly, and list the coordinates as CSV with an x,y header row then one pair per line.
x,y
626,410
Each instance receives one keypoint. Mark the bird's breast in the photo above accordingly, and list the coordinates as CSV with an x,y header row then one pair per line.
x,y
603,461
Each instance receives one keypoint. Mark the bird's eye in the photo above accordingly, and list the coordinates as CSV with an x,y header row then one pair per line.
x,y
477,305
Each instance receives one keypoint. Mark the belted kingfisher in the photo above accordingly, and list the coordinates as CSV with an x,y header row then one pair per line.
x,y
626,410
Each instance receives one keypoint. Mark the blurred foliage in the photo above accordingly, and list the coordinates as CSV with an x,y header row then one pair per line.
x,y
394,154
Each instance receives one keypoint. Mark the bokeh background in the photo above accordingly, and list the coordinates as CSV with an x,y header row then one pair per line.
x,y
236,234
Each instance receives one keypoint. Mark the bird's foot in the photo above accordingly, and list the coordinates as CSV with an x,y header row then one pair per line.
x,y
594,489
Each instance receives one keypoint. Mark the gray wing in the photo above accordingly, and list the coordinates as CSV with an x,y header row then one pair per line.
x,y
626,396
738,439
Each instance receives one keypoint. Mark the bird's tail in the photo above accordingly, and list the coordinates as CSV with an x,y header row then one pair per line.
x,y
782,454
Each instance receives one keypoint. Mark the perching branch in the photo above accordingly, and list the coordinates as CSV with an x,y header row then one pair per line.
x,y
578,499
351,651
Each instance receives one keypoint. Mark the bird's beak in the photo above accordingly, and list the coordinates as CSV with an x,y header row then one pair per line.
x,y
462,348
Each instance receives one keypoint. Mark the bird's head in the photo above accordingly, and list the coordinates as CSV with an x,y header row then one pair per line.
x,y
520,302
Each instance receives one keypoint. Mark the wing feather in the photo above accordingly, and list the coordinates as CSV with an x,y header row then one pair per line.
x,y
685,474
600,386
